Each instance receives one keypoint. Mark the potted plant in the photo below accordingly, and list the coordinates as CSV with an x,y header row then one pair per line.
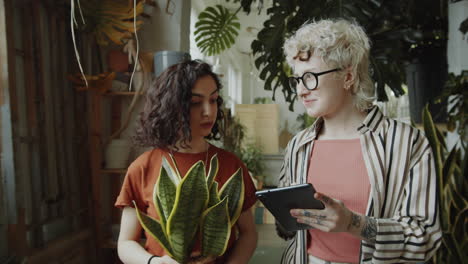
x,y
192,208
252,157
232,135
456,95
426,56
452,188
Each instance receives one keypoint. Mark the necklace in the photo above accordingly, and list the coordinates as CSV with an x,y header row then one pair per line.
x,y
206,155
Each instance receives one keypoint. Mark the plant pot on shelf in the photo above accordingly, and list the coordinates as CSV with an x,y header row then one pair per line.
x,y
166,58
117,154
426,78
117,61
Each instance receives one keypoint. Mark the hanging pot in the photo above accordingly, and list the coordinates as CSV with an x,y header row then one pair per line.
x,y
117,153
426,78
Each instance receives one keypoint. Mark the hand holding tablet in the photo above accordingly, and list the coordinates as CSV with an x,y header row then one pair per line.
x,y
280,201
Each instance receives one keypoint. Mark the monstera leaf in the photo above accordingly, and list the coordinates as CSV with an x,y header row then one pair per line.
x,y
193,204
216,30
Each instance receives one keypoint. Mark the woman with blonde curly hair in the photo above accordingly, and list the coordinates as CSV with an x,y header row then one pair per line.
x,y
374,175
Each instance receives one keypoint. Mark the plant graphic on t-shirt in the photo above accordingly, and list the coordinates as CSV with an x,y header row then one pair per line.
x,y
193,205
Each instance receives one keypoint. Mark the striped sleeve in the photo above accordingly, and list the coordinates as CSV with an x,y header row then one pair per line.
x,y
413,233
284,180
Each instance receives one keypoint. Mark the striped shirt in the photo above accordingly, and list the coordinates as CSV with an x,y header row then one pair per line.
x,y
403,198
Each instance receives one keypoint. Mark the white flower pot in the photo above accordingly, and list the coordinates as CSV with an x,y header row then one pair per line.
x,y
117,153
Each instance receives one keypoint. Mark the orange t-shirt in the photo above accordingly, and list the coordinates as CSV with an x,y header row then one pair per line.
x,y
144,171
337,169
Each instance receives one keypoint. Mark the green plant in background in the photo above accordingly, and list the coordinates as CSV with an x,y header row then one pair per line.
x,y
109,21
456,92
305,120
451,172
193,205
216,30
252,157
464,24
232,132
232,136
395,28
263,100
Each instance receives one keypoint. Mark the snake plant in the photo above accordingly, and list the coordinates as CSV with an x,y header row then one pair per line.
x,y
191,208
451,175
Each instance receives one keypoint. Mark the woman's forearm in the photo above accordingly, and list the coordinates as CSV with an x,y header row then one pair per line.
x,y
244,248
130,252
362,226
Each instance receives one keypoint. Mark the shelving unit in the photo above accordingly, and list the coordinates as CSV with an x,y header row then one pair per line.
x,y
100,175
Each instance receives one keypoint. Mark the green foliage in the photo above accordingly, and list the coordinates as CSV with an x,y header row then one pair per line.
x,y
305,120
393,27
263,100
216,30
456,91
192,205
252,157
464,26
452,189
246,5
232,134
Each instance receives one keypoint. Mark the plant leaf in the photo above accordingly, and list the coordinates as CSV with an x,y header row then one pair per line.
x,y
214,196
174,172
159,210
153,227
110,20
234,190
215,229
431,134
219,36
449,166
190,201
164,190
213,170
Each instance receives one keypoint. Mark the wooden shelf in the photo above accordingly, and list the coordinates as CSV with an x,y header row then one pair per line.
x,y
120,94
109,243
114,171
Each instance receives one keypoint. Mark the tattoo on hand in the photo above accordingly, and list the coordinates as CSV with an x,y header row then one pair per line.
x,y
326,199
369,230
355,221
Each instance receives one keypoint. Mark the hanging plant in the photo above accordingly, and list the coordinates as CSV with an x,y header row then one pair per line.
x,y
109,20
193,205
216,30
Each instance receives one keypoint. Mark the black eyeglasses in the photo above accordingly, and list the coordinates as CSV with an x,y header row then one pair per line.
x,y
309,79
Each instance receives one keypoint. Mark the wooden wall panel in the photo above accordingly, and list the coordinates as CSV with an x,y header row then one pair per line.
x,y
48,139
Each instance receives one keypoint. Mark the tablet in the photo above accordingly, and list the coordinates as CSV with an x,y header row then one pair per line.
x,y
280,201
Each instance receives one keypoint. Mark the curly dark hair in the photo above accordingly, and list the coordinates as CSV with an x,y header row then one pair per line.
x,y
165,119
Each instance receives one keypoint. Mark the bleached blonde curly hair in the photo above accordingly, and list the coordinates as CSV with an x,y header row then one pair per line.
x,y
340,43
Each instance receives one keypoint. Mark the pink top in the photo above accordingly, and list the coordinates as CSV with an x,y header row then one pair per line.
x,y
337,169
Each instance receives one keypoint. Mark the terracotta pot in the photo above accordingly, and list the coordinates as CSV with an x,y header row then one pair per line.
x,y
117,61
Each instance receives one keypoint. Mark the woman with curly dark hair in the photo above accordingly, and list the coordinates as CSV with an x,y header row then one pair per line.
x,y
182,111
